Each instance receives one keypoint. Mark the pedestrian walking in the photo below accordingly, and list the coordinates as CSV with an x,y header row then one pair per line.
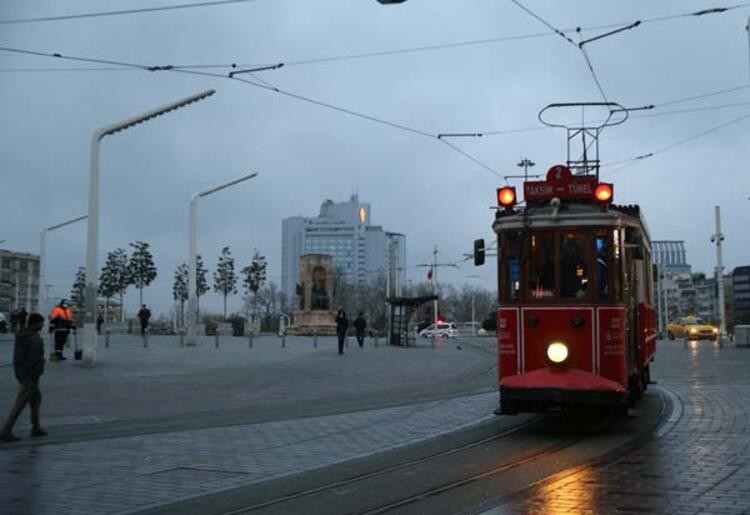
x,y
60,324
99,322
22,316
28,365
342,324
14,321
144,315
360,324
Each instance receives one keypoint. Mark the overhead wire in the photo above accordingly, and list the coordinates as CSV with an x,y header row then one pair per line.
x,y
407,50
681,142
578,46
268,87
121,12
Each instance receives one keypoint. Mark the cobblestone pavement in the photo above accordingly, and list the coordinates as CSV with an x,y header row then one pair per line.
x,y
698,462
119,475
72,471
166,387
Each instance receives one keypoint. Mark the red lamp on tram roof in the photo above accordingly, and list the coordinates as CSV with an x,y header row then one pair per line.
x,y
506,196
604,193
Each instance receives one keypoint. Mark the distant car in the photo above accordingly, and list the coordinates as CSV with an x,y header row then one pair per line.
x,y
692,328
444,329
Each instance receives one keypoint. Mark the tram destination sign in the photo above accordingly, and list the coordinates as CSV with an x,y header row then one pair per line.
x,y
560,183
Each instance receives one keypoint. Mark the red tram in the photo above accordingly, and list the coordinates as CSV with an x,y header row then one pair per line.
x,y
576,323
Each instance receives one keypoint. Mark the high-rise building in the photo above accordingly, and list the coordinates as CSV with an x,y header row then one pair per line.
x,y
19,281
673,287
670,256
361,251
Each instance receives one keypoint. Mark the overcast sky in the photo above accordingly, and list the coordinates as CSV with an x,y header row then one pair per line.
x,y
306,153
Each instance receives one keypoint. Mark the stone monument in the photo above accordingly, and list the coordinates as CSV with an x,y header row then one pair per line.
x,y
315,292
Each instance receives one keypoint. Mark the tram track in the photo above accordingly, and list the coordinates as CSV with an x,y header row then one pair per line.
x,y
384,470
558,448
287,503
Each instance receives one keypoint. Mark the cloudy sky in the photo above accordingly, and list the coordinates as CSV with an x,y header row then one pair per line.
x,y
306,153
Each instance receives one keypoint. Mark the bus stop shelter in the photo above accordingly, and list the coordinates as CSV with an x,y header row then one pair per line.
x,y
402,310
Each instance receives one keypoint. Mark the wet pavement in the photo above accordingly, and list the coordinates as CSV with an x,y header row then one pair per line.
x,y
697,462
154,425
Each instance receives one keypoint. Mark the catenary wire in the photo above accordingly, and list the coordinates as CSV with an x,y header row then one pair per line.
x,y
122,12
269,87
407,50
263,85
681,142
579,47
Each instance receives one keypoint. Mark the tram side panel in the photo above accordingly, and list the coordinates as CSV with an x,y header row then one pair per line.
x,y
647,334
611,352
508,342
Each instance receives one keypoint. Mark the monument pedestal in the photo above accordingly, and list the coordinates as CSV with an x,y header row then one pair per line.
x,y
322,322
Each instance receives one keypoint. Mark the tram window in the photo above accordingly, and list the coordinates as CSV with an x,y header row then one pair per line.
x,y
574,276
542,283
602,265
512,263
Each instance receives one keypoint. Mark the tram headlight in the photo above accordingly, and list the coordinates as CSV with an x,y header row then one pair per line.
x,y
715,330
693,331
557,352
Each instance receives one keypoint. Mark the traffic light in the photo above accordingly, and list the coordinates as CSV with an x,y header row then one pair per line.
x,y
478,252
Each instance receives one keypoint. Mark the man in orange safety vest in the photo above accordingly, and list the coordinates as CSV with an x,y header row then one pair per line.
x,y
60,323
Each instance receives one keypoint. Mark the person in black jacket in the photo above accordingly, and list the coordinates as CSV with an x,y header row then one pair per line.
x,y
360,324
342,324
144,315
28,365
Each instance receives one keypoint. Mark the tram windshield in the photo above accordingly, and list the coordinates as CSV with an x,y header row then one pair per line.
x,y
565,264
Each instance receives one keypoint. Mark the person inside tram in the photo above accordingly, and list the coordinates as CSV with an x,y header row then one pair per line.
x,y
602,272
582,288
572,270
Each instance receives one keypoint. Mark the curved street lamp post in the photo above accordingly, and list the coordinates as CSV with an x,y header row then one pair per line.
x,y
193,253
92,234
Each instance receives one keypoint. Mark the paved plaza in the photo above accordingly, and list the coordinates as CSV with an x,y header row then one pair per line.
x,y
153,425
698,462
114,459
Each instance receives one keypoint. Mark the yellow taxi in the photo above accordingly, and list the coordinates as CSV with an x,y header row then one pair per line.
x,y
692,328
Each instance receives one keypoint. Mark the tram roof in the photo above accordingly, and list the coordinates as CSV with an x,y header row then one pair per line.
x,y
570,214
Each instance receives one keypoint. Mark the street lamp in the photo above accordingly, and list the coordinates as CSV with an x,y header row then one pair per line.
x,y
526,163
92,233
193,252
41,290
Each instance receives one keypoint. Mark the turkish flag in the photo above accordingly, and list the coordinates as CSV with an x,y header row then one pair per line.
x,y
429,274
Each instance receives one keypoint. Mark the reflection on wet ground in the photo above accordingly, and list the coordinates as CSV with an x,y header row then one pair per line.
x,y
698,462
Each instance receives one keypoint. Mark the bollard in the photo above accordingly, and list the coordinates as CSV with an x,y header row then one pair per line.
x,y
283,340
376,339
433,341
216,339
145,339
106,339
315,339
250,340
182,338
685,343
